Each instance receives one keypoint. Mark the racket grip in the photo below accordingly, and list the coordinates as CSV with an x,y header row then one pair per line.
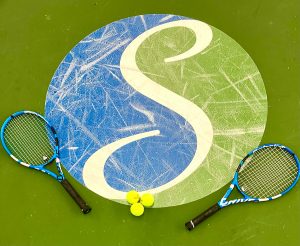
x,y
206,214
76,197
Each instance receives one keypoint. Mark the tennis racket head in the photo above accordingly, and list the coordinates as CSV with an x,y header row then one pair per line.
x,y
29,139
268,172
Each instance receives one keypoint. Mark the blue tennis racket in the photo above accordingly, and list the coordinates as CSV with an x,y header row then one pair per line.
x,y
32,142
266,173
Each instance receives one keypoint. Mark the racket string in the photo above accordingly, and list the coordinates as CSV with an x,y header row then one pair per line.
x,y
267,179
30,139
268,172
14,147
21,154
24,137
45,136
18,140
271,169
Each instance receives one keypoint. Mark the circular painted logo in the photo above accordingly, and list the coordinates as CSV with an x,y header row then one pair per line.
x,y
156,103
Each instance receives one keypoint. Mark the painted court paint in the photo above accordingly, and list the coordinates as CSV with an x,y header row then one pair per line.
x,y
156,103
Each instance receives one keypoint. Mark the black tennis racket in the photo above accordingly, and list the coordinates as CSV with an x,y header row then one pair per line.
x,y
266,173
30,140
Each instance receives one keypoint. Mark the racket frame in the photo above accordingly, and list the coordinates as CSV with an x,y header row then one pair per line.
x,y
40,167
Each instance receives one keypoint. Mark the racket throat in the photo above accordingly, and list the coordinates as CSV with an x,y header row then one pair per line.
x,y
224,202
60,178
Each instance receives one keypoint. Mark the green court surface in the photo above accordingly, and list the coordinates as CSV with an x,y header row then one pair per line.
x,y
35,210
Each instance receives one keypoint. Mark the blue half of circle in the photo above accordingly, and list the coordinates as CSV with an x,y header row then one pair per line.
x,y
91,105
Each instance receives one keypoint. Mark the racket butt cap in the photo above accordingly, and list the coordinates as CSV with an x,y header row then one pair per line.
x,y
86,210
189,225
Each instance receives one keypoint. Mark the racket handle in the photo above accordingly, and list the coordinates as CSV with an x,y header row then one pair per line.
x,y
206,214
76,197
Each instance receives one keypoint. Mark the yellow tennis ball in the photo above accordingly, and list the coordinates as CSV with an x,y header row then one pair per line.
x,y
132,197
147,200
137,209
